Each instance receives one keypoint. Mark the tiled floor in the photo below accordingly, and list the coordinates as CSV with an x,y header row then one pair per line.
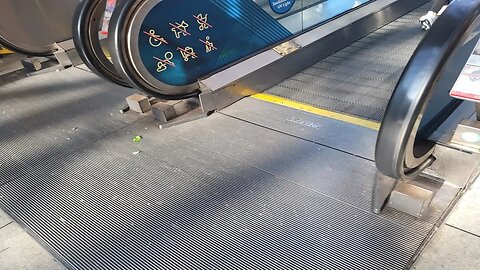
x,y
20,251
456,244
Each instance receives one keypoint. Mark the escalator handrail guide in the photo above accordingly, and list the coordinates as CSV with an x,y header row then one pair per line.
x,y
97,62
417,83
119,54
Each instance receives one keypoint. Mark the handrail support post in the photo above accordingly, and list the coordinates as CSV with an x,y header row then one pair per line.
x,y
383,187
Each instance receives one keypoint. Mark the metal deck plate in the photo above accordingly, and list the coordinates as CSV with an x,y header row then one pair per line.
x,y
46,116
359,79
218,193
342,136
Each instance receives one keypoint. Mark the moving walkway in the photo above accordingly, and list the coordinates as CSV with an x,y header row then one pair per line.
x,y
281,179
149,62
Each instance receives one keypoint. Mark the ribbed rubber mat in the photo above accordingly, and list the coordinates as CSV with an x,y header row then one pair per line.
x,y
359,79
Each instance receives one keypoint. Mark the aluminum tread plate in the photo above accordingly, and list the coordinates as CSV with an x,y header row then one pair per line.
x,y
218,193
359,79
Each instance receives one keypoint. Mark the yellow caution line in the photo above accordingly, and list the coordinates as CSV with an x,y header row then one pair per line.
x,y
325,113
5,51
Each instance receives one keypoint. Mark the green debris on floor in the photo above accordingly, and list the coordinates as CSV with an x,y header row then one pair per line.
x,y
137,139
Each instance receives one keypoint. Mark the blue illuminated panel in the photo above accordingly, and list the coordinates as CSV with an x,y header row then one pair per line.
x,y
281,6
179,44
182,41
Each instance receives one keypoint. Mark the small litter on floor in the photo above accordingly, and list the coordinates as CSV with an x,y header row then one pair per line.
x,y
137,139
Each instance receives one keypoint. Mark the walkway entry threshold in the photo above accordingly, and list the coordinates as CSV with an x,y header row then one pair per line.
x,y
218,193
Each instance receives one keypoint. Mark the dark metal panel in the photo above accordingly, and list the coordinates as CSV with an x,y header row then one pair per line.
x,y
33,27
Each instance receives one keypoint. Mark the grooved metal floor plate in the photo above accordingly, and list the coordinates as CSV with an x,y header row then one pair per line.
x,y
218,193
359,79
49,115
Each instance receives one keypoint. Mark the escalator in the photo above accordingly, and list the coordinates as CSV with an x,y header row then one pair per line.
x,y
282,178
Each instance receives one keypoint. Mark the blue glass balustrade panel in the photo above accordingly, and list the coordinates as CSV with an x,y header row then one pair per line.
x,y
179,47
182,41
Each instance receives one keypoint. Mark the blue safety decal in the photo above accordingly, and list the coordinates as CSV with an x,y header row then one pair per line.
x,y
281,6
182,41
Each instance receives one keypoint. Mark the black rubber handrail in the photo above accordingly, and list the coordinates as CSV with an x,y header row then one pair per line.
x,y
121,60
397,137
87,42
14,48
